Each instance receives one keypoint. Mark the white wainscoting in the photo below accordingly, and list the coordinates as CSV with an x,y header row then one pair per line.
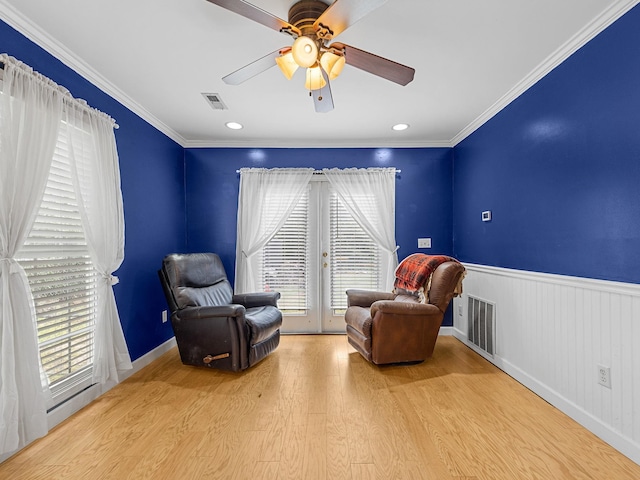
x,y
553,331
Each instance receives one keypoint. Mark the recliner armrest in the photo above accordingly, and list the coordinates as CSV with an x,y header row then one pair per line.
x,y
256,299
211,312
364,298
404,308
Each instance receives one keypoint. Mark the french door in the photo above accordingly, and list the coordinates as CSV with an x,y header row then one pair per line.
x,y
318,254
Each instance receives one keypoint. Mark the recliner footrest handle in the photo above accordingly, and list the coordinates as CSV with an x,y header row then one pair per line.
x,y
210,358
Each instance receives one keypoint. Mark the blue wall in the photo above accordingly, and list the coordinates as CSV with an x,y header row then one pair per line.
x,y
560,169
151,167
423,192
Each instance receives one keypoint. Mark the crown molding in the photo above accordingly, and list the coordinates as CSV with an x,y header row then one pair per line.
x,y
597,25
314,143
34,33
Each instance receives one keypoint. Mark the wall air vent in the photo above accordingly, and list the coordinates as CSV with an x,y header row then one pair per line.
x,y
482,324
215,101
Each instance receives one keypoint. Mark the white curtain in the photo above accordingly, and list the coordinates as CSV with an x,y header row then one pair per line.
x,y
96,176
266,198
369,195
30,113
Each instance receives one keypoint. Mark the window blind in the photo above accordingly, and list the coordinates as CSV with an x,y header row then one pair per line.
x,y
285,258
354,256
63,282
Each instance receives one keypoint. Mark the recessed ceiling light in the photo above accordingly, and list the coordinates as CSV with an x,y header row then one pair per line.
x,y
233,125
400,126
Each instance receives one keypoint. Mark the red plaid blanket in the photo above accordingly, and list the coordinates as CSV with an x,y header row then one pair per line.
x,y
414,271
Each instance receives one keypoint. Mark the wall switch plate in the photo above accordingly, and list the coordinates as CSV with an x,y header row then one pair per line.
x,y
424,243
486,216
164,316
460,310
604,376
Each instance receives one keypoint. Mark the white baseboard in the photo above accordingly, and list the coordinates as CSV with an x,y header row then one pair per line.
x,y
446,331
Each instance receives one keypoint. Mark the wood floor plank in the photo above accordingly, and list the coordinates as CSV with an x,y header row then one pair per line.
x,y
293,451
428,451
270,441
315,409
265,471
356,416
338,457
315,454
363,471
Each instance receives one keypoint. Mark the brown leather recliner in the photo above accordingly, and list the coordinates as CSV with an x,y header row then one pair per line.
x,y
388,328
213,327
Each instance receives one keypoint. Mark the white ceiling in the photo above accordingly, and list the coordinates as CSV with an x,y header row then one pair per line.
x,y
158,56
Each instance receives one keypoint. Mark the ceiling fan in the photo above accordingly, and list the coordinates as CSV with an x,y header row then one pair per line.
x,y
313,24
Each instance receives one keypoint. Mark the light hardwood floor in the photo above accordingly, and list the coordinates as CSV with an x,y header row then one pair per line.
x,y
314,409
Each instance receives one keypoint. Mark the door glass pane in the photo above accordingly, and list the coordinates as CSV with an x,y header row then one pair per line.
x,y
285,259
354,256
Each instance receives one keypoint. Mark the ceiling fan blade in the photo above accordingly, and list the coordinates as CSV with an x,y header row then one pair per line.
x,y
341,14
254,68
382,67
322,98
257,15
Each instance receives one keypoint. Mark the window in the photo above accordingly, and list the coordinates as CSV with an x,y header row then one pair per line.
x,y
63,282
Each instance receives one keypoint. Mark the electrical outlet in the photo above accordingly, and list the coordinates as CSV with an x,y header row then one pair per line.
x,y
424,243
604,376
164,316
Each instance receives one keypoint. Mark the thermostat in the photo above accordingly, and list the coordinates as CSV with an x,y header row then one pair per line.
x,y
486,216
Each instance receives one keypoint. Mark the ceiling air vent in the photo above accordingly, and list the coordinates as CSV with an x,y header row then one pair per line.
x,y
215,101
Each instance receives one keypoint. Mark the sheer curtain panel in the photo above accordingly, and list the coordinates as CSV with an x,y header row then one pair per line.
x,y
30,114
369,195
36,117
266,198
96,176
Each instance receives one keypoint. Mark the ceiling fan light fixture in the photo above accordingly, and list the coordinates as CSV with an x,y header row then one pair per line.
x,y
304,51
332,64
287,64
315,80
314,24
